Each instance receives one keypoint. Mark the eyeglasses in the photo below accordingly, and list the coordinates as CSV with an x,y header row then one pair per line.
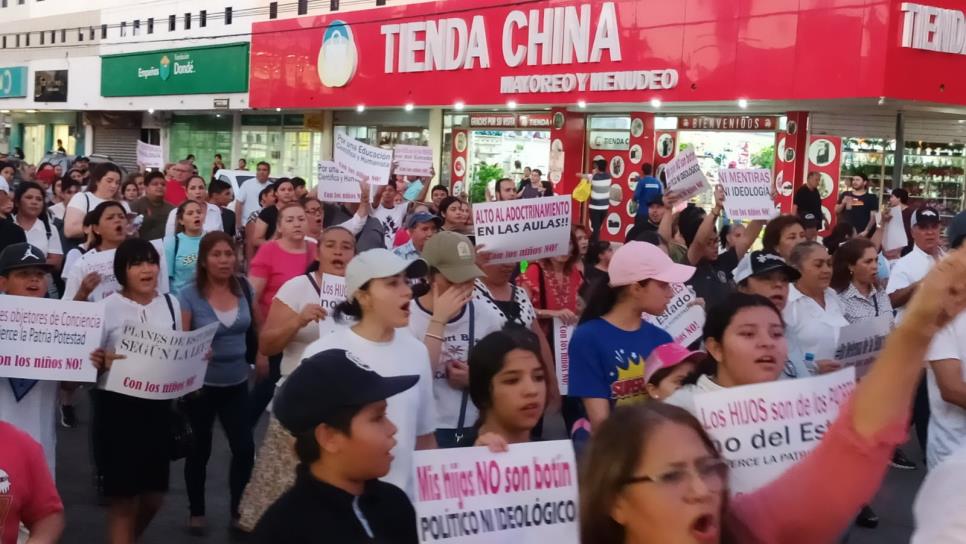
x,y
713,473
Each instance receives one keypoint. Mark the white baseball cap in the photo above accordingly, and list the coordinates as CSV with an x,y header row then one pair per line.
x,y
379,263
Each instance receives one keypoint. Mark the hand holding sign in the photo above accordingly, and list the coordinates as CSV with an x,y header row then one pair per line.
x,y
311,313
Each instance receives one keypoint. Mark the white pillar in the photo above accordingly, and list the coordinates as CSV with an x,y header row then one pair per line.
x,y
88,140
236,130
436,140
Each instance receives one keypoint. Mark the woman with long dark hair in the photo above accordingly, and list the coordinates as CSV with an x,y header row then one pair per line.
x,y
105,179
108,230
219,295
211,220
855,268
553,284
267,222
30,214
782,234
653,475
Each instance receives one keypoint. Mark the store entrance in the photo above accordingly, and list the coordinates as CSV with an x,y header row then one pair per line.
x,y
732,149
504,145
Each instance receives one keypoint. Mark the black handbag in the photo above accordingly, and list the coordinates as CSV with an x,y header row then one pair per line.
x,y
251,335
181,437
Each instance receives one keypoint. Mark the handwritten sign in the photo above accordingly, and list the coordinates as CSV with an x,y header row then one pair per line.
x,y
860,343
516,230
683,319
413,160
895,232
527,495
763,429
747,193
46,339
561,352
150,156
359,160
160,364
684,176
102,262
332,293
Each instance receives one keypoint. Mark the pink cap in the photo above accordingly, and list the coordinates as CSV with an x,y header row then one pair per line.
x,y
638,261
666,356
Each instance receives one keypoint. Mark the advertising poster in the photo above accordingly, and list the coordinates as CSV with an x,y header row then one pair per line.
x,y
49,339
160,364
527,495
763,429
529,229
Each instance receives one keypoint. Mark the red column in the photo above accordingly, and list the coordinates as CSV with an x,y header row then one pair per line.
x,y
790,150
459,162
568,133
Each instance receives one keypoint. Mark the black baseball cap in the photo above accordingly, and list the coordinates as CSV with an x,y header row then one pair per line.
x,y
326,384
925,217
757,263
811,221
22,255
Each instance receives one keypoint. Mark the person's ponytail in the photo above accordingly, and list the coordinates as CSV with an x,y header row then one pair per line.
x,y
600,299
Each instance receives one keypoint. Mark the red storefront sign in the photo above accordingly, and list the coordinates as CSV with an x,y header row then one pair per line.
x,y
487,52
757,123
528,121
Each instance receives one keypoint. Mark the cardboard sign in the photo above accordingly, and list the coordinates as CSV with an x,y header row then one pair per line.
x,y
527,495
413,160
160,364
360,161
763,429
860,343
894,236
102,262
49,339
518,230
150,156
683,319
684,176
561,353
332,293
747,194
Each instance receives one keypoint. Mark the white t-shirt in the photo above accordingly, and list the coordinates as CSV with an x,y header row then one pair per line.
x,y
940,503
35,413
119,310
212,221
412,411
37,236
248,196
810,328
392,221
947,422
455,348
4,186
297,293
86,201
684,397
908,270
57,210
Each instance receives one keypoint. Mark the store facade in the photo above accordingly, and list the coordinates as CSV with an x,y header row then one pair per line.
x,y
633,80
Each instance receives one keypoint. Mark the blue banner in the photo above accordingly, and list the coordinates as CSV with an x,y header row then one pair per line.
x,y
13,82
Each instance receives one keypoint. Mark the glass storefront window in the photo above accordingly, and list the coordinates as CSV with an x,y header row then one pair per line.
x,y
607,122
201,136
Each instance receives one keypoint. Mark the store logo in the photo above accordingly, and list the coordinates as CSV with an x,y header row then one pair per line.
x,y
165,71
933,29
6,82
338,56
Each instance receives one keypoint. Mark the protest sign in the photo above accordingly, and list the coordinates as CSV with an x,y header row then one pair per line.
x,y
561,345
894,236
527,495
747,193
361,161
683,319
763,429
331,293
860,343
160,364
684,176
334,185
45,339
150,156
413,160
102,262
530,229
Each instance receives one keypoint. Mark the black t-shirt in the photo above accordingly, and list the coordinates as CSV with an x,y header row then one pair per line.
x,y
10,234
270,216
713,280
808,200
862,208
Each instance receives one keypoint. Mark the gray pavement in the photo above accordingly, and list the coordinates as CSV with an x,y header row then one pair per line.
x,y
86,520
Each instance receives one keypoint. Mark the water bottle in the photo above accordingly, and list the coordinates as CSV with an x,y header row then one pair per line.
x,y
810,363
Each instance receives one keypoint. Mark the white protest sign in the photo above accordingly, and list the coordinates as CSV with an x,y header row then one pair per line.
x,y
763,429
684,176
48,339
561,353
359,160
150,156
334,185
683,319
894,236
747,193
530,229
860,343
332,293
413,160
102,262
527,495
160,364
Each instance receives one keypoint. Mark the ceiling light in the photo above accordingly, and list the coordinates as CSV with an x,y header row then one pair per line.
x,y
278,109
655,103
512,104
459,106
743,103
360,108
409,107
581,104
150,110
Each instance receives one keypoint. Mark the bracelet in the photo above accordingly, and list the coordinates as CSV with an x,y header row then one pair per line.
x,y
438,322
434,336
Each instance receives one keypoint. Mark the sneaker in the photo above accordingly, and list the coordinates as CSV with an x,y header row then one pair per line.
x,y
867,518
900,461
68,418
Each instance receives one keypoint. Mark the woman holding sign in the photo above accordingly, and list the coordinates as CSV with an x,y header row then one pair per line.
x,y
654,475
218,295
130,434
109,229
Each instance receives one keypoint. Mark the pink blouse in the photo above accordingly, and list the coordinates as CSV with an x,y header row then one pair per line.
x,y
276,266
